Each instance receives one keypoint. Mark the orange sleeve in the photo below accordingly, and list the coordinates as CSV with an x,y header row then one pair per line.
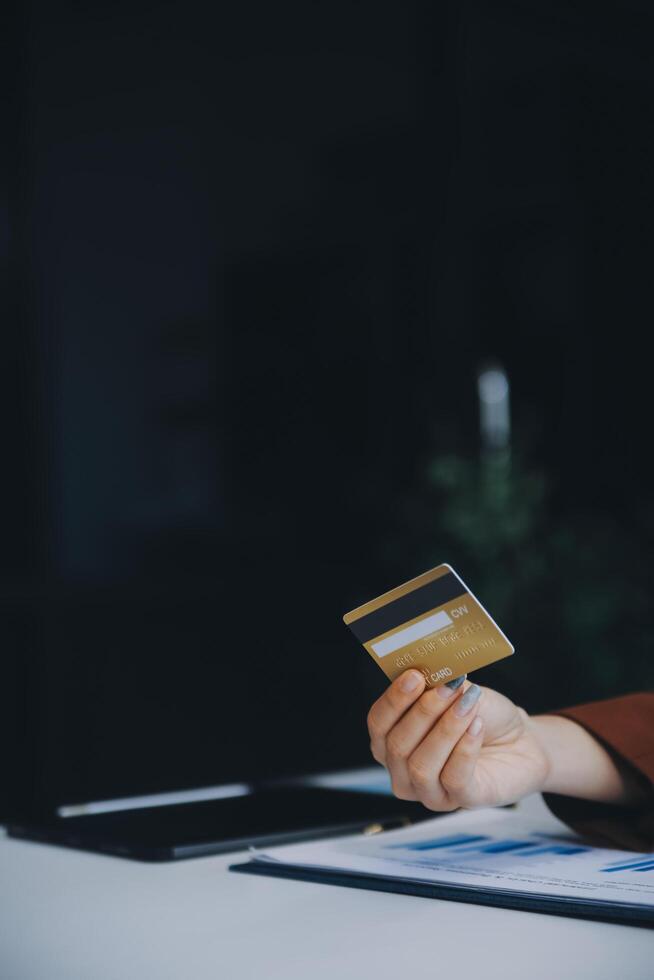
x,y
625,727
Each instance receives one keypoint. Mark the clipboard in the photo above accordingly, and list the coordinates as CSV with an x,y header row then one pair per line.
x,y
483,857
602,911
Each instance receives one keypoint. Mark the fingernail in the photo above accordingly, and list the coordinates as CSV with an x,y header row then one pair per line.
x,y
475,726
456,683
410,681
445,691
468,700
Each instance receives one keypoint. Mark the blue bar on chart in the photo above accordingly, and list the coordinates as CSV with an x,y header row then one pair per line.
x,y
525,848
638,864
498,847
460,844
429,845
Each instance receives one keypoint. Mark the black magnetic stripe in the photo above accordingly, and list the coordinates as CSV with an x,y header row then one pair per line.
x,y
407,607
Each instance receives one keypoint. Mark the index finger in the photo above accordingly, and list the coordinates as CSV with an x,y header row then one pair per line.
x,y
389,708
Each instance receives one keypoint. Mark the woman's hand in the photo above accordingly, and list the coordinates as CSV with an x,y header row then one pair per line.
x,y
464,748
473,747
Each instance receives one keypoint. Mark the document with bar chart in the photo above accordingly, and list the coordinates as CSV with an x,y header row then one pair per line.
x,y
491,857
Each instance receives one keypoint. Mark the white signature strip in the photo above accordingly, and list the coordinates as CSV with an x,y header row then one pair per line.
x,y
412,633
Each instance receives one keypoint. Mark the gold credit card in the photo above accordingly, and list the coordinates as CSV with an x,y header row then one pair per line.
x,y
432,623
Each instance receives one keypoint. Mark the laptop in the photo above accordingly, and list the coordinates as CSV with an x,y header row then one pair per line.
x,y
149,726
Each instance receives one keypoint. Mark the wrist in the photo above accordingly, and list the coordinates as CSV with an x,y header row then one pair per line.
x,y
579,765
556,741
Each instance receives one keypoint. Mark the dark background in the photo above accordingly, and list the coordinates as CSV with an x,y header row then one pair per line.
x,y
252,257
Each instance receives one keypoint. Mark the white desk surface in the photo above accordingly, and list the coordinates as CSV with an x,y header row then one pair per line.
x,y
68,915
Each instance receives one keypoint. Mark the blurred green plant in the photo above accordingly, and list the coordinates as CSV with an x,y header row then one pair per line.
x,y
571,592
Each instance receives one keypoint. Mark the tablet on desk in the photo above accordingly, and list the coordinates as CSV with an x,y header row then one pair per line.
x,y
268,816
